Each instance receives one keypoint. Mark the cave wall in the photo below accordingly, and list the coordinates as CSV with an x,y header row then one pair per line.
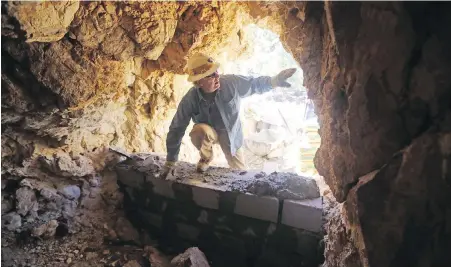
x,y
79,76
378,75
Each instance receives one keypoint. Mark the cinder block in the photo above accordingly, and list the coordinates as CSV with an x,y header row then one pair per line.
x,y
262,208
206,197
186,231
303,214
152,218
162,187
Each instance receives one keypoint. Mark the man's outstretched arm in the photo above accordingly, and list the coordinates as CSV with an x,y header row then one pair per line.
x,y
248,86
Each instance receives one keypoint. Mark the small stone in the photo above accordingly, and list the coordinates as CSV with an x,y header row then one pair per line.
x,y
45,230
191,257
69,260
112,234
94,181
76,251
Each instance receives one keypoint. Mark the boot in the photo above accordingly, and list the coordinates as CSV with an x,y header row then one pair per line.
x,y
202,165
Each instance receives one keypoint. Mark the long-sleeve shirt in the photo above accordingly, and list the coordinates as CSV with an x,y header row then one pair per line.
x,y
228,101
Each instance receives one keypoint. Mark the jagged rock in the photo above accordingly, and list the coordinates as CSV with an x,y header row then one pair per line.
x,y
46,230
339,247
12,221
44,22
191,257
25,201
71,192
69,208
65,165
125,230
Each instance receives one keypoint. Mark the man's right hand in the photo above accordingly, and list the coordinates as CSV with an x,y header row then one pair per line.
x,y
167,168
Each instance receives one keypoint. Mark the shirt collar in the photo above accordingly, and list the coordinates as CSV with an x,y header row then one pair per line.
x,y
201,96
199,93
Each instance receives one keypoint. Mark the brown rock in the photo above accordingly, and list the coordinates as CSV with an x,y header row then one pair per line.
x,y
46,230
339,247
393,231
156,258
125,230
43,22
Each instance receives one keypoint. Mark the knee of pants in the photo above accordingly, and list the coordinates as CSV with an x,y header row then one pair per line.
x,y
202,131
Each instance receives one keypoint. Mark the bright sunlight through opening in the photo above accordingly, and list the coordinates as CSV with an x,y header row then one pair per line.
x,y
280,127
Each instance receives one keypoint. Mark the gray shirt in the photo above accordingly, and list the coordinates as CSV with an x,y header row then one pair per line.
x,y
227,101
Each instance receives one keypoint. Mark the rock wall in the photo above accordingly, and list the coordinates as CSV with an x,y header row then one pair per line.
x,y
377,73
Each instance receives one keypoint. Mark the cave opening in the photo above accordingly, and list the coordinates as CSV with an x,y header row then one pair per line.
x,y
280,127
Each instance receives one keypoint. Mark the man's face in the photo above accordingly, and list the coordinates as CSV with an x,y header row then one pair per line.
x,y
210,83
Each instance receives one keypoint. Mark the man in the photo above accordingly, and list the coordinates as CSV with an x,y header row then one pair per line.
x,y
214,104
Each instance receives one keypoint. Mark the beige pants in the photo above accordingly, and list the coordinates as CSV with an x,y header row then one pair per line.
x,y
203,137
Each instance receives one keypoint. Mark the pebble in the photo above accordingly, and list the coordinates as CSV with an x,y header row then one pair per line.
x,y
76,251
69,260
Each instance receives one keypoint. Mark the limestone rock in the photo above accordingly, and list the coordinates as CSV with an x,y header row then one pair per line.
x,y
65,165
191,257
25,201
43,21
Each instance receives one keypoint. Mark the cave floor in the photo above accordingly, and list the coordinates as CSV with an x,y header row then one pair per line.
x,y
86,248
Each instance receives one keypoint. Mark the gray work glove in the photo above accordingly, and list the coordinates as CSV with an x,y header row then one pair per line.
x,y
280,80
167,168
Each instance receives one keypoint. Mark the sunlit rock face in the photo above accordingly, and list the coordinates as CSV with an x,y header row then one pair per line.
x,y
80,76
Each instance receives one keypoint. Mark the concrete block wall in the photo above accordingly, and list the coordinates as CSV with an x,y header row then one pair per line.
x,y
232,228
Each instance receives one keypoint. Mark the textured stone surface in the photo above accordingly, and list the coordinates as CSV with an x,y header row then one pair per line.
x,y
400,218
44,22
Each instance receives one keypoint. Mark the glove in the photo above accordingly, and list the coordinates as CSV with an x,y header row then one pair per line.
x,y
167,168
280,80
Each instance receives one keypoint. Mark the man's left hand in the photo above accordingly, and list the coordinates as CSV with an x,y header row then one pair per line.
x,y
280,80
